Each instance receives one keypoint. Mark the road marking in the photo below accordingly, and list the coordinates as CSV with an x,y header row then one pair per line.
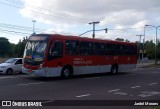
x,y
6,77
30,84
121,93
92,78
148,94
135,87
83,95
114,90
153,84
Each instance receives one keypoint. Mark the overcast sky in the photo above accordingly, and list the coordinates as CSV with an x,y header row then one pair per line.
x,y
73,16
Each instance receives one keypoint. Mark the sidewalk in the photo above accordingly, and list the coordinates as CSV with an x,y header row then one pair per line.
x,y
148,64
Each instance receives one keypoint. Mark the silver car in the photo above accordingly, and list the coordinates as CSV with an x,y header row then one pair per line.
x,y
11,66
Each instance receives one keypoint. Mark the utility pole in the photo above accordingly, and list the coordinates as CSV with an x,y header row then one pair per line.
x,y
94,23
142,48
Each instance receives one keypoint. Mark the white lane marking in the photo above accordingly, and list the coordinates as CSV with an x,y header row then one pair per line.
x,y
135,87
92,78
144,95
83,95
7,77
121,93
153,84
148,94
30,84
114,90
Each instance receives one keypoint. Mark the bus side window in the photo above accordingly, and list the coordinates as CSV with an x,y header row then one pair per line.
x,y
135,50
108,49
72,47
86,48
55,50
99,48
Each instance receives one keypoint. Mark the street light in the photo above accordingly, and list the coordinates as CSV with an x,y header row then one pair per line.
x,y
33,25
155,42
106,30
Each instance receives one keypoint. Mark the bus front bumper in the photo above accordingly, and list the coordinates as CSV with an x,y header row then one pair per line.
x,y
39,72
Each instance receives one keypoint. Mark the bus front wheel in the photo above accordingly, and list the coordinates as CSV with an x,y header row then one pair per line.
x,y
66,72
114,69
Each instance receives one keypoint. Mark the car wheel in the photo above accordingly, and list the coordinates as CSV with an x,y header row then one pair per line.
x,y
9,71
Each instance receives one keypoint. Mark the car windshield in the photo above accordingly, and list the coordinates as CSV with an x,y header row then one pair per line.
x,y
11,60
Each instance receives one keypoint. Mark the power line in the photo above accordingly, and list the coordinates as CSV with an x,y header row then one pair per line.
x,y
59,15
4,25
17,32
127,28
52,11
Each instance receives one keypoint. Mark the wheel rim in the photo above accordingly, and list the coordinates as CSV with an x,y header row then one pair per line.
x,y
114,70
66,73
9,72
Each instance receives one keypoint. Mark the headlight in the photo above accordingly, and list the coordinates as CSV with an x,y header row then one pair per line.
x,y
2,66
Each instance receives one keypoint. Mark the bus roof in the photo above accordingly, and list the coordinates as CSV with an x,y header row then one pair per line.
x,y
71,37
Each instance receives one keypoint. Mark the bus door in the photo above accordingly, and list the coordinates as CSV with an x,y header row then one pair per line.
x,y
55,53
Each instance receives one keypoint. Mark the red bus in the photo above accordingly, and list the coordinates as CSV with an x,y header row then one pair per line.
x,y
51,55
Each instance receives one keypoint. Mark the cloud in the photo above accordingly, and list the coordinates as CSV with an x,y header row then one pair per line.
x,y
113,13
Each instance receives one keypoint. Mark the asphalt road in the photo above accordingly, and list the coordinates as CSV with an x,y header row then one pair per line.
x,y
137,84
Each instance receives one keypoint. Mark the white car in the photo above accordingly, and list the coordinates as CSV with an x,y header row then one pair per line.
x,y
11,66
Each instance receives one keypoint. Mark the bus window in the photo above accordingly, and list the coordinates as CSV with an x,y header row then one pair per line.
x,y
110,49
72,47
129,50
99,48
120,49
55,50
86,48
135,50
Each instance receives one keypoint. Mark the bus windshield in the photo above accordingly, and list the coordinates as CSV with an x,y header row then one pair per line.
x,y
35,52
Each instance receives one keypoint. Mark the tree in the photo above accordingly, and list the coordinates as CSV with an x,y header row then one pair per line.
x,y
19,48
150,49
158,49
119,39
127,40
4,47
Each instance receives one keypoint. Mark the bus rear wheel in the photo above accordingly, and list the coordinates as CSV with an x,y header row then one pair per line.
x,y
66,72
114,69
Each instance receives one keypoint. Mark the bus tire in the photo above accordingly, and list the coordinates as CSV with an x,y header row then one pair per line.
x,y
66,72
9,71
114,69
